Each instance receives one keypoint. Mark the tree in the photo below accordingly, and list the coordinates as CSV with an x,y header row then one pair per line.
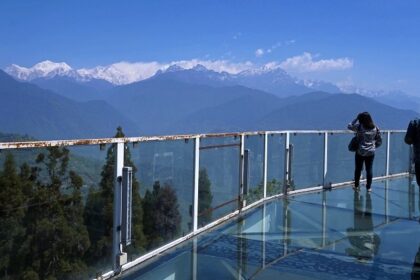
x,y
205,198
273,187
56,238
162,219
11,216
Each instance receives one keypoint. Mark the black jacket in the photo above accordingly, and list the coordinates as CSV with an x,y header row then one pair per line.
x,y
412,137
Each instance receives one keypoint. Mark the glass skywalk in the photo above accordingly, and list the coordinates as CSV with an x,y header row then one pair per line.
x,y
338,234
116,207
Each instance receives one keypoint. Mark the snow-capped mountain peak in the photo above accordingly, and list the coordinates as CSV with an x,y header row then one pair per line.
x,y
48,66
269,68
45,68
174,68
200,67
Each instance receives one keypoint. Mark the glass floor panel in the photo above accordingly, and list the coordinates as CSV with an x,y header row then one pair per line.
x,y
338,234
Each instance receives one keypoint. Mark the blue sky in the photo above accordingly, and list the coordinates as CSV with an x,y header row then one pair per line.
x,y
371,44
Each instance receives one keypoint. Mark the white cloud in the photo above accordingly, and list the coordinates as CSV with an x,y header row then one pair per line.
x,y
237,36
259,52
271,65
307,63
290,42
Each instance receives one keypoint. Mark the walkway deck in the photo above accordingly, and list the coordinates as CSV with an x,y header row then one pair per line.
x,y
339,234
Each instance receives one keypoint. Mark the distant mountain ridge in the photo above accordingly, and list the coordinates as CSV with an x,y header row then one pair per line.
x,y
267,78
178,101
169,103
28,109
311,111
74,89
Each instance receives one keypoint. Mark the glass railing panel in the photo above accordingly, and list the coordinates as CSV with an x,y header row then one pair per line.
x,y
178,266
177,263
379,163
308,160
340,160
255,146
56,204
275,163
164,174
219,178
399,153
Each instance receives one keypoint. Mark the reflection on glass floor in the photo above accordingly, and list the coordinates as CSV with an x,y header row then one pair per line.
x,y
339,234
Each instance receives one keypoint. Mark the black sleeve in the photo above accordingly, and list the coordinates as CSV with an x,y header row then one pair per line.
x,y
378,138
410,134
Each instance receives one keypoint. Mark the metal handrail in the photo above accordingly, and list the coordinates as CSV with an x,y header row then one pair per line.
x,y
102,141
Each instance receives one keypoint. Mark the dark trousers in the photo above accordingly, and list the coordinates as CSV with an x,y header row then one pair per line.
x,y
359,160
417,169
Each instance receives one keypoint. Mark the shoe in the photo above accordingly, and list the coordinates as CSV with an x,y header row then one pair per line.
x,y
356,188
369,190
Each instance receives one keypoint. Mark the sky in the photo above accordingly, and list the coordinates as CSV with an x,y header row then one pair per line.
x,y
373,44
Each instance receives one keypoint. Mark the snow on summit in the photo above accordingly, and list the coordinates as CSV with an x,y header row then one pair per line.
x,y
45,68
121,73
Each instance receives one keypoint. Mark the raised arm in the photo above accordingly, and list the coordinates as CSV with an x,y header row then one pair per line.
x,y
353,125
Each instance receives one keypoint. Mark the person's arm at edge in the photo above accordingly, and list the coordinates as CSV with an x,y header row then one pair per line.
x,y
409,135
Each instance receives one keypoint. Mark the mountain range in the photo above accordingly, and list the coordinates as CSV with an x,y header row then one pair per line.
x,y
267,78
44,114
177,100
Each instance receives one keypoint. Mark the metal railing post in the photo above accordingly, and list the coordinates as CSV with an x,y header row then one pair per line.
x,y
286,163
264,229
241,202
386,201
194,259
265,163
117,217
324,183
388,141
324,218
196,181
286,226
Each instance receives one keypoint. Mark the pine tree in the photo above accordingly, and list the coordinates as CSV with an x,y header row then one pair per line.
x,y
56,236
205,198
273,187
11,217
162,220
149,205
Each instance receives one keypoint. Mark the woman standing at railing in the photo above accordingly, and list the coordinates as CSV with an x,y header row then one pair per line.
x,y
368,138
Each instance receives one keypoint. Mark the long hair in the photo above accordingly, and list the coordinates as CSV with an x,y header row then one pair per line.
x,y
366,120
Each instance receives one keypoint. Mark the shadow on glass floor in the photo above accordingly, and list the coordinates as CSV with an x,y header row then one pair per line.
x,y
339,234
